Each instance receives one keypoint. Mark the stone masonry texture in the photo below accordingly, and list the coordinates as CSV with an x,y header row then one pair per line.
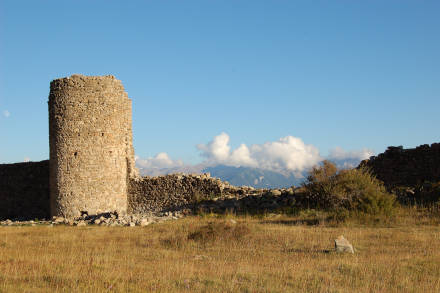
x,y
171,192
24,190
91,151
406,167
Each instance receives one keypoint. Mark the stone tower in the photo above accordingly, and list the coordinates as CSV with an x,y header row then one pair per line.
x,y
91,149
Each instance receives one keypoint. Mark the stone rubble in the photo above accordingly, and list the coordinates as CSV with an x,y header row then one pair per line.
x,y
106,219
178,192
233,199
242,200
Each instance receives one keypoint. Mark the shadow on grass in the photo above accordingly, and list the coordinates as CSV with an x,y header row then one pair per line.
x,y
295,222
308,250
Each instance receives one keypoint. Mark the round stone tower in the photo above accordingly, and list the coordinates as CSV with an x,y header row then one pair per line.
x,y
91,149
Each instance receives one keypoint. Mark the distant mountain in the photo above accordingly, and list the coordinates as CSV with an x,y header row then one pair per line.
x,y
237,176
257,178
240,176
196,169
346,163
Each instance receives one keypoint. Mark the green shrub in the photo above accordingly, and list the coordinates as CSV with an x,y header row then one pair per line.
x,y
321,186
352,190
365,193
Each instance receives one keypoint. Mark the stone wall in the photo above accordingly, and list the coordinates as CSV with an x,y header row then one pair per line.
x,y
91,150
24,193
171,192
24,190
406,167
180,193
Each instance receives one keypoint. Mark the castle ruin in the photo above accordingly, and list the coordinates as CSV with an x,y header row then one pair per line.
x,y
91,148
92,167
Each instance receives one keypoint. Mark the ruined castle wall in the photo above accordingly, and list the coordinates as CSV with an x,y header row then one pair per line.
x,y
91,150
406,167
24,190
170,192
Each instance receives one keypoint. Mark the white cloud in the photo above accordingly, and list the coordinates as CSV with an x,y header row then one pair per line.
x,y
217,150
339,153
242,156
26,159
349,159
288,154
161,160
6,113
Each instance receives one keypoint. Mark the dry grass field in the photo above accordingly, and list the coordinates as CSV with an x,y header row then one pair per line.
x,y
213,254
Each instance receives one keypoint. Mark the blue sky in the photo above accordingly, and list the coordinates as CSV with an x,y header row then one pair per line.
x,y
348,74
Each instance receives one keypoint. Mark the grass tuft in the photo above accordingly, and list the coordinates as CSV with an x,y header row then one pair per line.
x,y
220,231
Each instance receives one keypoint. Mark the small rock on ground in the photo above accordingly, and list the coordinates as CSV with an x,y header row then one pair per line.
x,y
342,245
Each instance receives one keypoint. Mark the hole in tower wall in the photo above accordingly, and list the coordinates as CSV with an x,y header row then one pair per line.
x,y
102,134
75,154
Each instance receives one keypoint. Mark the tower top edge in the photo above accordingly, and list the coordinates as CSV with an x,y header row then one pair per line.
x,y
81,77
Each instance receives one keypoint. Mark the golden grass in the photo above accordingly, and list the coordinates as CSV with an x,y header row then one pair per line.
x,y
211,254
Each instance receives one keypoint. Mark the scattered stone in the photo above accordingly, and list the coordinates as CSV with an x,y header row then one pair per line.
x,y
144,222
275,192
58,220
342,245
81,224
200,257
